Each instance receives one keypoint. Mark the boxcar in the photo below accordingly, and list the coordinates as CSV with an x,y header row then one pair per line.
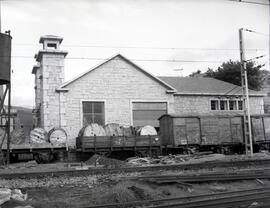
x,y
218,132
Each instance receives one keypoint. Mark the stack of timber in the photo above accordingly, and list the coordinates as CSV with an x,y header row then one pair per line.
x,y
38,136
57,136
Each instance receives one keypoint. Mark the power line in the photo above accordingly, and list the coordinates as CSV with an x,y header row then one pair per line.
x,y
150,48
259,33
258,57
146,60
250,2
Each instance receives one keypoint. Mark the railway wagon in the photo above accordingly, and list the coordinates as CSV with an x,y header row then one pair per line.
x,y
261,131
216,132
139,145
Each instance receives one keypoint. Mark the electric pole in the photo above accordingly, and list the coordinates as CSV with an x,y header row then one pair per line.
x,y
246,107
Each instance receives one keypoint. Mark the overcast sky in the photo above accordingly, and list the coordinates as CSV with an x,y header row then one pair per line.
x,y
205,33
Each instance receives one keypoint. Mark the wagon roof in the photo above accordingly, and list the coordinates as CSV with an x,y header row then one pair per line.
x,y
205,86
216,114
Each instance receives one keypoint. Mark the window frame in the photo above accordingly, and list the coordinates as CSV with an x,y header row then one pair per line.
x,y
146,101
92,100
228,104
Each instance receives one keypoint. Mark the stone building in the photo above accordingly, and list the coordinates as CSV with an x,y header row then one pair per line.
x,y
119,91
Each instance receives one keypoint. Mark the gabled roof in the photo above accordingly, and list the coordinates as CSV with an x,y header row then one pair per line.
x,y
205,86
167,86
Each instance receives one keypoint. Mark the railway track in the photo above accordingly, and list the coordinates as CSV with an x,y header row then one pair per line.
x,y
242,198
206,177
93,171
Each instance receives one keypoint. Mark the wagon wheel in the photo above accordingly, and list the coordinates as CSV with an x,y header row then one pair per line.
x,y
43,157
57,135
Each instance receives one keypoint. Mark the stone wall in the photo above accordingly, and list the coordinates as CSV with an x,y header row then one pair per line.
x,y
117,83
52,69
201,104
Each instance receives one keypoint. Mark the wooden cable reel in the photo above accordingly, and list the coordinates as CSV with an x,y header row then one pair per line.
x,y
57,136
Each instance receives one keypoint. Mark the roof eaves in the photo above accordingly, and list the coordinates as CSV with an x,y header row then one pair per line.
x,y
216,94
86,72
169,87
149,74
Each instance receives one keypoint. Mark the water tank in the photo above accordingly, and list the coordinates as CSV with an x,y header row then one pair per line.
x,y
5,57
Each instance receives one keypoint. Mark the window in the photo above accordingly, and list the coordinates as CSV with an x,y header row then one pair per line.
x,y
223,105
52,45
214,104
147,113
232,105
226,104
240,105
93,112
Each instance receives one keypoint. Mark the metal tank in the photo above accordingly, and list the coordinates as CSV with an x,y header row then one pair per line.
x,y
5,57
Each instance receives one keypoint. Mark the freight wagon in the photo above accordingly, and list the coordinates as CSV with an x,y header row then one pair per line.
x,y
55,148
138,145
221,133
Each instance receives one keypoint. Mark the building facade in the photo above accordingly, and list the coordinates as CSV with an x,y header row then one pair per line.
x,y
119,91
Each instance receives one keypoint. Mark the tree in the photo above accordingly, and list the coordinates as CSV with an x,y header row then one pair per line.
x,y
231,72
197,73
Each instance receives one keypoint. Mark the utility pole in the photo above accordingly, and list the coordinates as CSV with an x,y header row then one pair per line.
x,y
246,107
0,18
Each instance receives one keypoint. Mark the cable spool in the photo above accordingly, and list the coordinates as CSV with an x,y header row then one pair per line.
x,y
57,136
2,135
147,130
92,129
17,136
38,135
113,129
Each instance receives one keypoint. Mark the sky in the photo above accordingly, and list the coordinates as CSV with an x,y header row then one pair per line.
x,y
164,37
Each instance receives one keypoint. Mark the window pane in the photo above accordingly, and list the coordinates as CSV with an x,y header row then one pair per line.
x,y
149,106
93,112
87,119
147,115
99,119
232,104
214,105
223,105
87,107
240,105
98,107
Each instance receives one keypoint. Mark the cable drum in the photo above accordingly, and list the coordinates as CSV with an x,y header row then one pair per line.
x,y
92,129
113,129
17,136
2,135
57,136
38,136
147,130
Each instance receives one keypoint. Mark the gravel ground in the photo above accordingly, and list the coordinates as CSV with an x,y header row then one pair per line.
x,y
98,189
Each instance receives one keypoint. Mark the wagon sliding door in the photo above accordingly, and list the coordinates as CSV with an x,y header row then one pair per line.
x,y
266,121
257,127
147,113
187,131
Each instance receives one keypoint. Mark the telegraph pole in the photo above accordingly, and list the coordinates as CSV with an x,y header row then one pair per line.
x,y
244,83
0,18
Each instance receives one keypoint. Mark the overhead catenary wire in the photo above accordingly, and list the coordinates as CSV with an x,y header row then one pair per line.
x,y
259,33
257,57
145,47
250,2
146,60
